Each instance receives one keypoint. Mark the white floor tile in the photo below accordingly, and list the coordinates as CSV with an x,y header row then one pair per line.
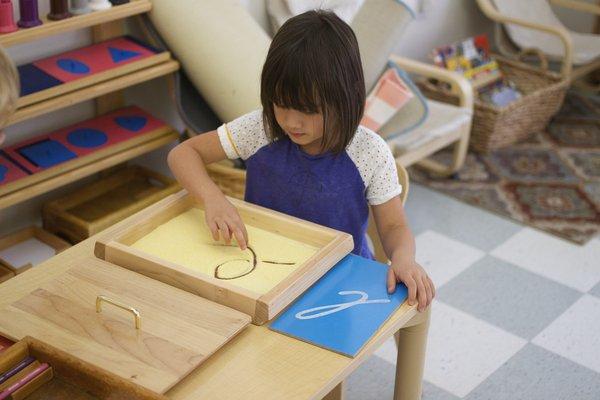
x,y
574,335
442,257
462,350
572,265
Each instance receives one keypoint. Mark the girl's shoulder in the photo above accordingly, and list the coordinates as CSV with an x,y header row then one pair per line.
x,y
367,144
376,165
244,136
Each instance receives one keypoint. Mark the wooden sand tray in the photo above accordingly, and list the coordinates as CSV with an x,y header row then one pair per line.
x,y
139,329
170,242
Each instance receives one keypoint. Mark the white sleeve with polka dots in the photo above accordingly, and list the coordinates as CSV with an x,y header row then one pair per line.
x,y
376,165
243,136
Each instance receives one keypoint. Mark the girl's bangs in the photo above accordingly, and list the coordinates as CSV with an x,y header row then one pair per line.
x,y
295,89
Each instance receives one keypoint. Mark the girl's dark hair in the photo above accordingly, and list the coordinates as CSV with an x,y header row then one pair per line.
x,y
313,65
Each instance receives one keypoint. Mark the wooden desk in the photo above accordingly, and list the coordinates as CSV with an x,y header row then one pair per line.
x,y
257,364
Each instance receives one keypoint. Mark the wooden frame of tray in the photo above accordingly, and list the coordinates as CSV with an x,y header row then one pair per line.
x,y
333,246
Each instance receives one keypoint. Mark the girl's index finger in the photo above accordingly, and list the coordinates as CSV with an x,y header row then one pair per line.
x,y
239,236
245,233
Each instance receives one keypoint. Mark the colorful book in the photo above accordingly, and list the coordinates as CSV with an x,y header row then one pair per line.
x,y
472,58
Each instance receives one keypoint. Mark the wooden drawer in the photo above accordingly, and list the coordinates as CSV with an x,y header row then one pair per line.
x,y
95,207
20,250
170,242
144,331
67,377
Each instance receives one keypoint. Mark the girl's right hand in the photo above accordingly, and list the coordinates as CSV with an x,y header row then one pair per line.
x,y
224,221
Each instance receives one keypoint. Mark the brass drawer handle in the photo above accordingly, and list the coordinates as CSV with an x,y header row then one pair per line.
x,y
136,313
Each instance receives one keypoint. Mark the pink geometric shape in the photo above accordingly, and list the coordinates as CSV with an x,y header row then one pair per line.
x,y
97,57
105,123
9,172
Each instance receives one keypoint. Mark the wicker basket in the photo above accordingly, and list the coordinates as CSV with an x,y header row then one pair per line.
x,y
542,91
231,180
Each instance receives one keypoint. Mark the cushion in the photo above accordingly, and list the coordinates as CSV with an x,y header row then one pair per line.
x,y
411,115
443,119
388,96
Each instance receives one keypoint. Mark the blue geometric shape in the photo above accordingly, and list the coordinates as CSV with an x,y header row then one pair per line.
x,y
87,138
343,310
3,171
119,55
46,153
73,66
131,123
34,80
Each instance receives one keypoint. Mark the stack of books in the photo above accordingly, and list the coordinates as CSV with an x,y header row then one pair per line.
x,y
471,58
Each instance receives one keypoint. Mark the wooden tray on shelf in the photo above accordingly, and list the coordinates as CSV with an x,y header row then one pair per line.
x,y
78,145
29,239
139,329
169,241
68,377
93,208
76,69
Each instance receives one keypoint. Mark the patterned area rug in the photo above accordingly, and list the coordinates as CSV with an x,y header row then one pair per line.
x,y
550,182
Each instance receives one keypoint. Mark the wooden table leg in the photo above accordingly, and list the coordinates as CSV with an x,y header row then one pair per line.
x,y
411,341
337,393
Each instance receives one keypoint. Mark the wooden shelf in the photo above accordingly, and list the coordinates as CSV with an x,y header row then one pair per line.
x,y
93,166
105,25
68,87
93,91
76,22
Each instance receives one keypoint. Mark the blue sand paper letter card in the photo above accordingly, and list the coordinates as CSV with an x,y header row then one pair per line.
x,y
343,310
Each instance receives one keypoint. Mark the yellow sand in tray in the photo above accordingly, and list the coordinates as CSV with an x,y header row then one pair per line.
x,y
186,240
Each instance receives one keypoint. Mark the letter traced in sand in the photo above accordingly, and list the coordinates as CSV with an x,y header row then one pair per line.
x,y
251,264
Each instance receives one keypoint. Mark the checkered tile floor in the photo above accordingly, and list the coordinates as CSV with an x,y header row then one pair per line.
x,y
517,312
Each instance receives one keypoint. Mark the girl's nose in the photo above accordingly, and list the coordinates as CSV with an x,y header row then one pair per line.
x,y
293,120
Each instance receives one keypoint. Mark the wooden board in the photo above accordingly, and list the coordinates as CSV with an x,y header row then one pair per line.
x,y
178,330
95,207
329,245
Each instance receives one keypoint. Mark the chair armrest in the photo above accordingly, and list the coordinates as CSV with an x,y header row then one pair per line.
x,y
578,6
460,85
490,11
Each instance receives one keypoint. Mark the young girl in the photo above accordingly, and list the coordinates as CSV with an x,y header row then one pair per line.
x,y
9,90
306,154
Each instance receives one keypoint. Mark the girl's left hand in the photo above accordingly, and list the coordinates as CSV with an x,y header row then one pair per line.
x,y
419,284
